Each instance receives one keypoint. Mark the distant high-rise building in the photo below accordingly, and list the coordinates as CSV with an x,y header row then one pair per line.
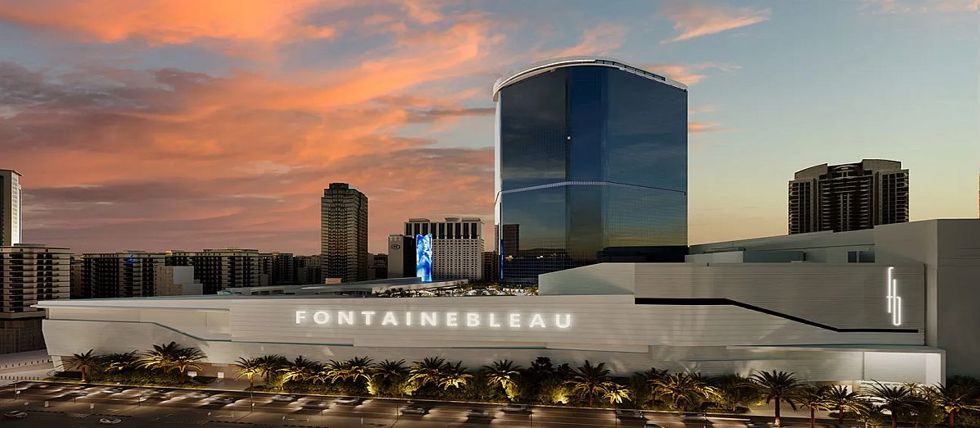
x,y
491,266
849,196
277,268
306,270
29,273
401,256
11,220
457,246
218,269
378,266
121,274
591,158
344,233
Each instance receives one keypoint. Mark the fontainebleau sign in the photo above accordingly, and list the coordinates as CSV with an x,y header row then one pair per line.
x,y
435,319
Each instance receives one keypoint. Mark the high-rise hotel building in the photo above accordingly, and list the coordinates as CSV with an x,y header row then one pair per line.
x,y
591,166
457,246
10,208
846,197
29,273
344,233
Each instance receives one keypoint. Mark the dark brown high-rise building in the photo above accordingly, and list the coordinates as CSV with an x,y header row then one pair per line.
x,y
344,233
849,196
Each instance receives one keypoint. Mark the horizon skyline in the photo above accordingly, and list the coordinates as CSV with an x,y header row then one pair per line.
x,y
186,129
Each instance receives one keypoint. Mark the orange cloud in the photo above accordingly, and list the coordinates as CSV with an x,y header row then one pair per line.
x,y
169,21
694,19
688,74
601,39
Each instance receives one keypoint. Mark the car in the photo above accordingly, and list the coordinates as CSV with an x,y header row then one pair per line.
x,y
652,425
109,420
694,417
15,414
283,398
197,395
76,394
315,405
113,390
415,410
477,413
757,424
348,401
516,408
221,400
629,414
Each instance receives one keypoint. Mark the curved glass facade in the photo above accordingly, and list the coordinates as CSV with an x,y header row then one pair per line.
x,y
591,167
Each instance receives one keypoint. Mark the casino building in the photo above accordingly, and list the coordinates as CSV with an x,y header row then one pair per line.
x,y
892,303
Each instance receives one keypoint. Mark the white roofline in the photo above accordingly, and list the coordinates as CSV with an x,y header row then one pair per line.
x,y
549,65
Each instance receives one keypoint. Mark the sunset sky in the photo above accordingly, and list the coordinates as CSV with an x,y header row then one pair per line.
x,y
161,124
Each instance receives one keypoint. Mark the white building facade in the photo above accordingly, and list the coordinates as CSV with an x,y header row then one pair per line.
x,y
11,219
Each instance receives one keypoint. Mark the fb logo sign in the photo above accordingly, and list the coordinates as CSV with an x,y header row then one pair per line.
x,y
894,301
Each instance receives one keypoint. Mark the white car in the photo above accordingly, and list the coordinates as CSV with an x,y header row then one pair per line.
x,y
516,408
198,395
110,420
414,410
221,400
284,398
15,414
348,401
477,413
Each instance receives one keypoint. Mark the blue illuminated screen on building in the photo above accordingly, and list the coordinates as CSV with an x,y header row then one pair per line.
x,y
423,257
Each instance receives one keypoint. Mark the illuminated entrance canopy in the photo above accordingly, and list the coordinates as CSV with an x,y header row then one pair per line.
x,y
436,319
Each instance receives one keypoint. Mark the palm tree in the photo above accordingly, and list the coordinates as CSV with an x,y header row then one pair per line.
x,y
953,399
897,399
682,391
161,357
300,369
269,365
504,373
85,362
248,368
386,374
354,370
735,391
841,398
187,359
425,372
120,361
454,376
590,381
616,393
813,398
777,387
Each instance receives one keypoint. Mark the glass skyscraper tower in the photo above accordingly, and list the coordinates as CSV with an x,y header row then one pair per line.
x,y
591,166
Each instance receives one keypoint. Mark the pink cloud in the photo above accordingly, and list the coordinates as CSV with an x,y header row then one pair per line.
x,y
695,19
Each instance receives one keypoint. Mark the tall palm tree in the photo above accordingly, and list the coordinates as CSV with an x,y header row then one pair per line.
x,y
85,362
354,370
269,365
387,374
777,387
953,399
120,361
682,391
813,398
454,376
590,381
504,373
248,368
161,357
842,399
897,399
300,369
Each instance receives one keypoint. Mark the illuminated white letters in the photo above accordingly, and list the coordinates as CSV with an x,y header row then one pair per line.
x,y
492,322
472,319
476,319
345,317
368,317
892,300
563,324
389,319
321,317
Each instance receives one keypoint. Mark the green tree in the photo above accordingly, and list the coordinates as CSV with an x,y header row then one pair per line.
x,y
269,366
120,362
682,391
777,387
386,375
161,357
248,368
187,359
454,376
813,398
506,374
842,399
300,369
953,399
735,392
429,371
356,370
85,363
590,381
898,400
616,393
